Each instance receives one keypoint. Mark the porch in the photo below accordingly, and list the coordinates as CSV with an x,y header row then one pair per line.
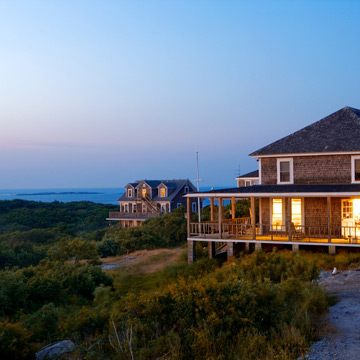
x,y
292,216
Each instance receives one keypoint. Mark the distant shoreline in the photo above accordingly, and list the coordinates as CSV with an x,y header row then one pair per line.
x,y
62,193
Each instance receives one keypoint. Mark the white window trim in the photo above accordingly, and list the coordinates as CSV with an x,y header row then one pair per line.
x,y
353,158
161,189
134,207
291,168
130,192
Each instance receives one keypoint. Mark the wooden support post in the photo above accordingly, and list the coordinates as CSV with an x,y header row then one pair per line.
x,y
211,249
233,208
329,217
288,217
253,217
230,251
332,249
220,217
295,247
191,251
258,246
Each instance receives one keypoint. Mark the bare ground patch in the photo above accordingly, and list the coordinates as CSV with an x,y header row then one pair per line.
x,y
144,261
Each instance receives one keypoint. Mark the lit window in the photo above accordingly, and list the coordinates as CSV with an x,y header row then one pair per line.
x,y
162,192
144,192
355,169
296,213
277,214
285,171
347,209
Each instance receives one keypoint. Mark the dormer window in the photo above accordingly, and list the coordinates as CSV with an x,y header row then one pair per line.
x,y
285,173
162,192
144,192
355,169
186,189
129,192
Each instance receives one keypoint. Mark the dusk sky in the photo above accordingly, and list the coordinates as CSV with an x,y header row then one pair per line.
x,y
101,93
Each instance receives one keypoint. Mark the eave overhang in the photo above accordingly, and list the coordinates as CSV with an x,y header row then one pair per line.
x,y
336,190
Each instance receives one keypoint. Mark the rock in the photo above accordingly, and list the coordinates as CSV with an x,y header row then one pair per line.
x,y
53,350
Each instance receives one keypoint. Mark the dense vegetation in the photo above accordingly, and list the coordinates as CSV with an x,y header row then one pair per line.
x,y
259,306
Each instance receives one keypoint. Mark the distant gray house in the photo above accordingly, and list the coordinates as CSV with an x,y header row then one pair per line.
x,y
308,193
144,199
249,179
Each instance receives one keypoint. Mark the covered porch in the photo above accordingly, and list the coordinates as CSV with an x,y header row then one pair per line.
x,y
291,215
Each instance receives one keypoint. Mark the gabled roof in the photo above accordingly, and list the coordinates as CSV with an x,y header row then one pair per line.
x,y
252,174
338,132
174,187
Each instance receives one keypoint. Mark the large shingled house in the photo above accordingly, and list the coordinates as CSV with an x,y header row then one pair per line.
x,y
308,193
144,199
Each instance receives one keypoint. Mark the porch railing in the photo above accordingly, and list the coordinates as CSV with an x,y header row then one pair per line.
x,y
242,229
127,215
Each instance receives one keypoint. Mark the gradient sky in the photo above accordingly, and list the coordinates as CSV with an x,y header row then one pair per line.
x,y
100,93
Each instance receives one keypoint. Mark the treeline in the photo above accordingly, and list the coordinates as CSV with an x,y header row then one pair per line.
x,y
257,307
31,231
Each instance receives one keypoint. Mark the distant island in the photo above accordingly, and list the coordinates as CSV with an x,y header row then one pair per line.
x,y
62,193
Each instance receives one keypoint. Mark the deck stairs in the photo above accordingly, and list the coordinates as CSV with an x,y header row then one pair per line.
x,y
220,247
151,205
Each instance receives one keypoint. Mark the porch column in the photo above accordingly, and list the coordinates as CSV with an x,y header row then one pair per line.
x,y
220,217
288,217
329,217
188,215
253,217
212,213
233,207
211,244
212,209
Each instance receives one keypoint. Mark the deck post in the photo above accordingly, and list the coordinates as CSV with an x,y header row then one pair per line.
x,y
288,216
295,247
253,217
191,251
230,251
211,249
332,249
220,217
329,217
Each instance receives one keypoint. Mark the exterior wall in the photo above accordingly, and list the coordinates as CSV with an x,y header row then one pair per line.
x,y
315,212
242,182
326,169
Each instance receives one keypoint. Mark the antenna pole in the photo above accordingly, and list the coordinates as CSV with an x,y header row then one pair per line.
x,y
198,186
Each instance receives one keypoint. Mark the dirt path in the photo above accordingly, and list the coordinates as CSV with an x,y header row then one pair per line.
x,y
144,261
342,326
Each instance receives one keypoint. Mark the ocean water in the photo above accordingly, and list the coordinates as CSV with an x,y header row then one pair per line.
x,y
96,195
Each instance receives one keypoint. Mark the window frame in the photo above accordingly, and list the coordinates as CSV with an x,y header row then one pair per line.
x,y
353,158
272,226
129,192
291,170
